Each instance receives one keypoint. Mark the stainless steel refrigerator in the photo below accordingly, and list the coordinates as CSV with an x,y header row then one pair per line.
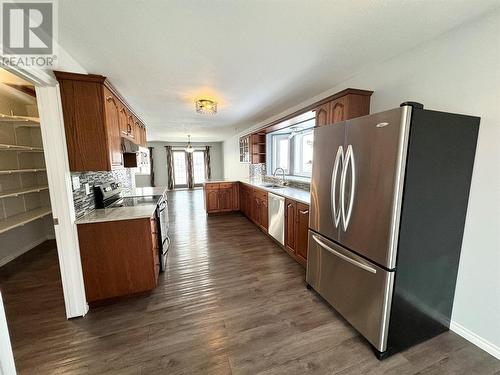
x,y
389,196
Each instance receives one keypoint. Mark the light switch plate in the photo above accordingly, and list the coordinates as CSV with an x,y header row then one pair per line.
x,y
76,182
87,188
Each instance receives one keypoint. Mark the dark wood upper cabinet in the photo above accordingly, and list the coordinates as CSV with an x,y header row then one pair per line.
x,y
112,119
96,117
258,148
123,120
322,114
345,105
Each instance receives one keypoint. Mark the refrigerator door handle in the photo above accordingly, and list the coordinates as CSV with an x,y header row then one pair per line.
x,y
349,162
339,159
355,262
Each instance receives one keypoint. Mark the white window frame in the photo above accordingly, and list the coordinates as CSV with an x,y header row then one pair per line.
x,y
294,154
275,139
299,154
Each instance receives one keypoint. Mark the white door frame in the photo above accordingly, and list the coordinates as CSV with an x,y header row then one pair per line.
x,y
7,365
61,199
60,190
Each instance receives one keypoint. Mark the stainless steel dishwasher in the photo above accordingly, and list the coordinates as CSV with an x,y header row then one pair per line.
x,y
276,207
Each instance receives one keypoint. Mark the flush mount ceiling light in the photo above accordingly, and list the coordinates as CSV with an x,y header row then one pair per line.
x,y
189,148
206,106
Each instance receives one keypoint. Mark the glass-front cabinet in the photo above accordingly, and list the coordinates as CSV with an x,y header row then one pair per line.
x,y
245,149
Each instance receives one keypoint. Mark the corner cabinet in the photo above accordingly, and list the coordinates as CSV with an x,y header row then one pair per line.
x,y
96,118
221,197
342,106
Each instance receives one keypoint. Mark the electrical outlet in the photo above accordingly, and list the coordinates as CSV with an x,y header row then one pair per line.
x,y
76,182
87,188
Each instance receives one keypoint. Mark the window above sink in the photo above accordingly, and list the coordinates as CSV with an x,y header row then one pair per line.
x,y
291,148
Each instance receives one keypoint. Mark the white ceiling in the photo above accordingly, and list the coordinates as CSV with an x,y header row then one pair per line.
x,y
256,58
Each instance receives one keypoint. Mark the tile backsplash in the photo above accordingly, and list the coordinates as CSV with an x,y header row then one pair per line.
x,y
86,203
257,170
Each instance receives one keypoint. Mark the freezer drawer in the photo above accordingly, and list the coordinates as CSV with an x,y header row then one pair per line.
x,y
359,290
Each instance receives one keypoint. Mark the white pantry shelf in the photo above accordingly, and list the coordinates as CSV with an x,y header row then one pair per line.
x,y
8,147
30,121
24,218
21,191
30,170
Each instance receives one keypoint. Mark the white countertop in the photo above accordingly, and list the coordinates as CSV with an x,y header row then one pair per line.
x,y
118,213
125,213
299,195
146,191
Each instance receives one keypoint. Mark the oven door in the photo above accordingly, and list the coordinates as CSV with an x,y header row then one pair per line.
x,y
165,240
163,215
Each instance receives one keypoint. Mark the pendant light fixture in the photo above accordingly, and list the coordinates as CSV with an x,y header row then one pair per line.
x,y
189,148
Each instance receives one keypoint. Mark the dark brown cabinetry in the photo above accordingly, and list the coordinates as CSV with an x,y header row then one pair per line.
x,y
290,224
258,141
296,229
112,119
260,214
302,231
344,105
253,203
96,117
116,264
221,197
253,148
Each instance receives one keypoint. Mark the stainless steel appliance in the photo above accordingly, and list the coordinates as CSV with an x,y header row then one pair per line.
x,y
164,226
276,210
109,195
389,196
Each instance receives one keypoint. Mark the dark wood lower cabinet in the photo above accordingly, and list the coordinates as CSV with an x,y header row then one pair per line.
x,y
290,224
296,229
253,203
119,258
302,230
221,197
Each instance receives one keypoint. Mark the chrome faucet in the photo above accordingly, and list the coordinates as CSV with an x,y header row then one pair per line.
x,y
283,173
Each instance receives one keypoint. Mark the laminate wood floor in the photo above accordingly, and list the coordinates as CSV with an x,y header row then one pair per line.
x,y
231,302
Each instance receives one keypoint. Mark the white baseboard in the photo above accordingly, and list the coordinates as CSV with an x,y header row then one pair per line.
x,y
24,249
475,339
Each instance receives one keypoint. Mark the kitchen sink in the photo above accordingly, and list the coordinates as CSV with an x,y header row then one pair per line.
x,y
271,186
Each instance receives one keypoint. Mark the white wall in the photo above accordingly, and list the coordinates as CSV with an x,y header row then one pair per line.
x,y
160,161
457,72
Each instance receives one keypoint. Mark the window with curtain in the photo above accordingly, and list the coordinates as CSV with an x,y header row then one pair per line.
x,y
199,167
180,170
